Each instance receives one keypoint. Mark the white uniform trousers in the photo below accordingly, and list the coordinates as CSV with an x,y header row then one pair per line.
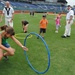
x,y
7,22
68,28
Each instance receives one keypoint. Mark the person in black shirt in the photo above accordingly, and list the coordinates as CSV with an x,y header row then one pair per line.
x,y
25,25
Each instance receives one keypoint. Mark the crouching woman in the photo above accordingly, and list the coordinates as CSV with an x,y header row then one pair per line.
x,y
5,33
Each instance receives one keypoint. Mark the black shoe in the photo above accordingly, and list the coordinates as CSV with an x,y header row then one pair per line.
x,y
38,37
25,32
6,57
68,36
63,36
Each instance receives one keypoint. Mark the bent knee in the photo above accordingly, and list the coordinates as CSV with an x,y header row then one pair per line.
x,y
11,53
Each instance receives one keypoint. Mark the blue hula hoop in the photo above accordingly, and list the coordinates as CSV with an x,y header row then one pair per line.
x,y
48,51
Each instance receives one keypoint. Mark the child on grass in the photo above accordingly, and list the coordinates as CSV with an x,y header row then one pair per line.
x,y
43,25
8,32
57,20
25,26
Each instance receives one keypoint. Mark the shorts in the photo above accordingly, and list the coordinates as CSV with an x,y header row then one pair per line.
x,y
42,30
6,45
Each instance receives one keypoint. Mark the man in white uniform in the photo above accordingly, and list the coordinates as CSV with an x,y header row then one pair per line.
x,y
69,22
8,13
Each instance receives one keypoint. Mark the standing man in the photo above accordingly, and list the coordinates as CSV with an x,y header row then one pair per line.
x,y
69,22
8,13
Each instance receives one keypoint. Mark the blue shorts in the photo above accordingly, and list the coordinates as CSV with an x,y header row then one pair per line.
x,y
6,45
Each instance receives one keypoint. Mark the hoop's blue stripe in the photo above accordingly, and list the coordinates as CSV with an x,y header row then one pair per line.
x,y
48,51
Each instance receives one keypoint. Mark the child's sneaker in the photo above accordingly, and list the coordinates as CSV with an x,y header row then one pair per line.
x,y
56,31
38,37
6,57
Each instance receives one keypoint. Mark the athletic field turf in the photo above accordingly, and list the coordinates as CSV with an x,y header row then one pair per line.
x,y
62,50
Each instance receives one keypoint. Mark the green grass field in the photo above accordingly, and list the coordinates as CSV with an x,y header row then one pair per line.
x,y
62,50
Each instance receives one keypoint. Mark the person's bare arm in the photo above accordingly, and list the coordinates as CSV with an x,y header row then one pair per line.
x,y
18,43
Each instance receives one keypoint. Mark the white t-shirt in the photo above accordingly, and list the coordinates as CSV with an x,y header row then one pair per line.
x,y
8,12
70,13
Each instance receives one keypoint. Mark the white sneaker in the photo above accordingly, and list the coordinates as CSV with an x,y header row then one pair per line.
x,y
56,31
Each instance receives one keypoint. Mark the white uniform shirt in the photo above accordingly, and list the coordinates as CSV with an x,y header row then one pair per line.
x,y
70,13
10,10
